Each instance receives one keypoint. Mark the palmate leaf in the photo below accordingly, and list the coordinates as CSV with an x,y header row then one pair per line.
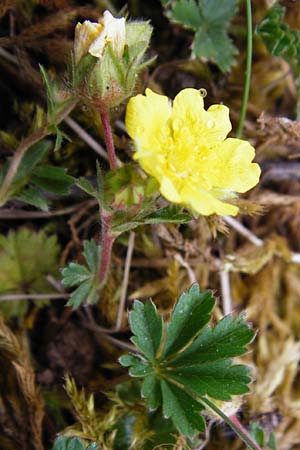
x,y
26,258
73,443
186,359
279,38
210,20
85,277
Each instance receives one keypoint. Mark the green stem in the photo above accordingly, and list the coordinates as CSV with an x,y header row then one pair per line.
x,y
248,71
234,424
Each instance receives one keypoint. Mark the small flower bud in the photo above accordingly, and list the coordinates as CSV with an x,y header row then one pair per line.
x,y
108,56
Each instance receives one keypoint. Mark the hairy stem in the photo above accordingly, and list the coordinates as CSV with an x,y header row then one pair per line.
x,y
109,139
107,240
248,71
234,423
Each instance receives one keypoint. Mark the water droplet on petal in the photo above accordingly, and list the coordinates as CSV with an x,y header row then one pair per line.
x,y
210,124
203,92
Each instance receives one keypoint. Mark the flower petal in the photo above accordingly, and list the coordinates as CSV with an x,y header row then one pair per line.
x,y
205,203
188,104
211,126
85,34
169,191
146,120
231,167
217,123
113,32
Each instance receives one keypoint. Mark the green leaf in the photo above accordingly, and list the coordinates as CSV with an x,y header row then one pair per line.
x,y
216,46
261,437
139,367
169,214
182,409
26,258
228,339
279,38
191,361
146,325
191,314
87,187
32,196
93,446
75,274
91,253
53,179
218,380
60,136
124,432
80,295
258,434
49,89
86,277
151,391
210,20
29,161
67,443
54,105
187,12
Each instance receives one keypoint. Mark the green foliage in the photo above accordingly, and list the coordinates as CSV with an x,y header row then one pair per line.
x,y
26,258
52,179
260,436
279,38
186,359
210,20
86,277
70,443
33,177
169,214
55,106
129,199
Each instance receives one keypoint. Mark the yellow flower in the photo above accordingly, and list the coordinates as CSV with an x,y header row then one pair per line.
x,y
185,148
92,37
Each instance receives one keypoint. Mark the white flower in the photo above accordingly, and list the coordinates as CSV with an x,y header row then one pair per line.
x,y
92,37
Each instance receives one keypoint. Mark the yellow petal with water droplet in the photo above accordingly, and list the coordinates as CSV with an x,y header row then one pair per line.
x,y
186,150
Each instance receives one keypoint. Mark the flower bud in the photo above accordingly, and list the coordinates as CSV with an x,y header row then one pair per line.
x,y
107,58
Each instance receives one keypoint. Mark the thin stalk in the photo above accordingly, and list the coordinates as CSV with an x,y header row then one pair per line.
x,y
234,423
125,280
107,240
248,70
109,139
17,297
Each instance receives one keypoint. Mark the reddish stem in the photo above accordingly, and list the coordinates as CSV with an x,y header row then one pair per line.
x,y
109,139
241,427
107,240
